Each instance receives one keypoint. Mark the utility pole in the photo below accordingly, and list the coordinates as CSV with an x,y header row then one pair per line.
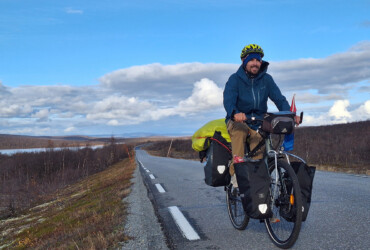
x,y
168,153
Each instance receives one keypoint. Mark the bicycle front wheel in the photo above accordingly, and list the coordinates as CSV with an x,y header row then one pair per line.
x,y
238,217
285,225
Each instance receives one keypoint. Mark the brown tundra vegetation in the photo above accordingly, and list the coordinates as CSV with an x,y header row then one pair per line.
x,y
25,178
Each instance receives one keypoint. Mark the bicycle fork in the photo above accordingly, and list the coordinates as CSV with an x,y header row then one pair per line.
x,y
279,184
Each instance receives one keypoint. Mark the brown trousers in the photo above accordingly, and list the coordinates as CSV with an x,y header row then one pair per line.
x,y
239,132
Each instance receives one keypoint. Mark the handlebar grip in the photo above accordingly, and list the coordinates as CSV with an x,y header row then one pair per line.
x,y
301,118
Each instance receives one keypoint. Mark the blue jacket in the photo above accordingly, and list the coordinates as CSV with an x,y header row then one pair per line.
x,y
249,95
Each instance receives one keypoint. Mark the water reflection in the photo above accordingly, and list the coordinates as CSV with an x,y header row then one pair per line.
x,y
36,150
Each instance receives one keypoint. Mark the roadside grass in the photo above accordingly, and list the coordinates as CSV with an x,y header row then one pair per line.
x,y
86,215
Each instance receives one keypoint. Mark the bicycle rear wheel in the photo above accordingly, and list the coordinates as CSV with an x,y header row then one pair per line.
x,y
285,225
238,217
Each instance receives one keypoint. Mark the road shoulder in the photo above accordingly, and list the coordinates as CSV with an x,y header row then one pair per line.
x,y
142,224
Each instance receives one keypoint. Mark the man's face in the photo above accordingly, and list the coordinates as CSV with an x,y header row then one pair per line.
x,y
253,66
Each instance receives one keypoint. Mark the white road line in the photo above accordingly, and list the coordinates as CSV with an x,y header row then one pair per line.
x,y
160,188
151,176
185,227
141,164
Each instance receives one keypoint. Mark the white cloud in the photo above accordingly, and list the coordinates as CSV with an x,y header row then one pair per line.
x,y
120,110
42,115
339,113
363,112
206,95
328,75
3,90
333,75
167,81
113,123
73,11
9,109
339,110
306,97
69,129
154,93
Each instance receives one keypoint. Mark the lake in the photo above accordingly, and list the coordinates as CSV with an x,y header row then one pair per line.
x,y
36,150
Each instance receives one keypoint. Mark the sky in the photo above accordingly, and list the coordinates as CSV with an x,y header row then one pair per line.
x,y
120,67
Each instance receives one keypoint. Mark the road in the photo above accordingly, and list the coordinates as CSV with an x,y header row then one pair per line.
x,y
339,216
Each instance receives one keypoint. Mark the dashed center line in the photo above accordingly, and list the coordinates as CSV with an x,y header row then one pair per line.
x,y
141,163
185,227
160,188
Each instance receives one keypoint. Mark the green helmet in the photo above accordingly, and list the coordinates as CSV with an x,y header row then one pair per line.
x,y
251,48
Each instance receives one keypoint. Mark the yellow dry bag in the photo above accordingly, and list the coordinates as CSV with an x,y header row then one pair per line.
x,y
208,130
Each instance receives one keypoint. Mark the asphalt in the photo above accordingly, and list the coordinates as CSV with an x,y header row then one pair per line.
x,y
338,217
142,223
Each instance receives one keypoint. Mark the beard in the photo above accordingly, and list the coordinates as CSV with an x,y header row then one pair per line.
x,y
253,71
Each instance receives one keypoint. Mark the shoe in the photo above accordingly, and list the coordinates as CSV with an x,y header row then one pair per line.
x,y
233,195
274,220
233,181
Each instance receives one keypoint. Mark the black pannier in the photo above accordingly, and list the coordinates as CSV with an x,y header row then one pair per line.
x,y
279,123
254,186
305,176
218,154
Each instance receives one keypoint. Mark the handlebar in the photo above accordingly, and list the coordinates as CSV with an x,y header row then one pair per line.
x,y
254,119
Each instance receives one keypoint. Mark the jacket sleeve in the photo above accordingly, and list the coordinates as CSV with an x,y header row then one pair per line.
x,y
231,97
276,96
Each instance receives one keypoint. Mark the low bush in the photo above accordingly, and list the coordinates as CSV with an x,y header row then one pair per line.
x,y
27,177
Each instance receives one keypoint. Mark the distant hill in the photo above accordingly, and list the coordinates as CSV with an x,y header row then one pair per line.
x,y
342,147
339,145
24,141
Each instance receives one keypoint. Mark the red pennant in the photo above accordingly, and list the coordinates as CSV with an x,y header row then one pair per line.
x,y
293,108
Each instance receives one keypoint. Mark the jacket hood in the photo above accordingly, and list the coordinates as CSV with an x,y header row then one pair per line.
x,y
241,72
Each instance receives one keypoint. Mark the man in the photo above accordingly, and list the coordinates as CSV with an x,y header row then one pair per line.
x,y
245,95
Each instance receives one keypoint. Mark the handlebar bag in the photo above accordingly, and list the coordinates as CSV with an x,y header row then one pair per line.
x,y
254,186
216,170
279,123
305,176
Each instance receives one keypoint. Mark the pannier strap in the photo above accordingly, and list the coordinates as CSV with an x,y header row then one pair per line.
x,y
213,139
254,151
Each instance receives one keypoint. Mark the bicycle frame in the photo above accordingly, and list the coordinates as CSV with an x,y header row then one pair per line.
x,y
285,193
271,153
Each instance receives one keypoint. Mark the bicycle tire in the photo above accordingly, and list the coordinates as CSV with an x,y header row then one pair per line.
x,y
237,215
284,231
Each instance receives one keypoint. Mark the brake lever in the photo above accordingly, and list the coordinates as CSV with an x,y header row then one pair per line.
x,y
301,118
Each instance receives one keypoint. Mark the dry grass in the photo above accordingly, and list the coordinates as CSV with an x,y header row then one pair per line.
x,y
85,215
180,148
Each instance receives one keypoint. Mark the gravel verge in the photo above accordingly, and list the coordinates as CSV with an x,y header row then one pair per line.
x,y
141,223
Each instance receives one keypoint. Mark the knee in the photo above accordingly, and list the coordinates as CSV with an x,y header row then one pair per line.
x,y
239,129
